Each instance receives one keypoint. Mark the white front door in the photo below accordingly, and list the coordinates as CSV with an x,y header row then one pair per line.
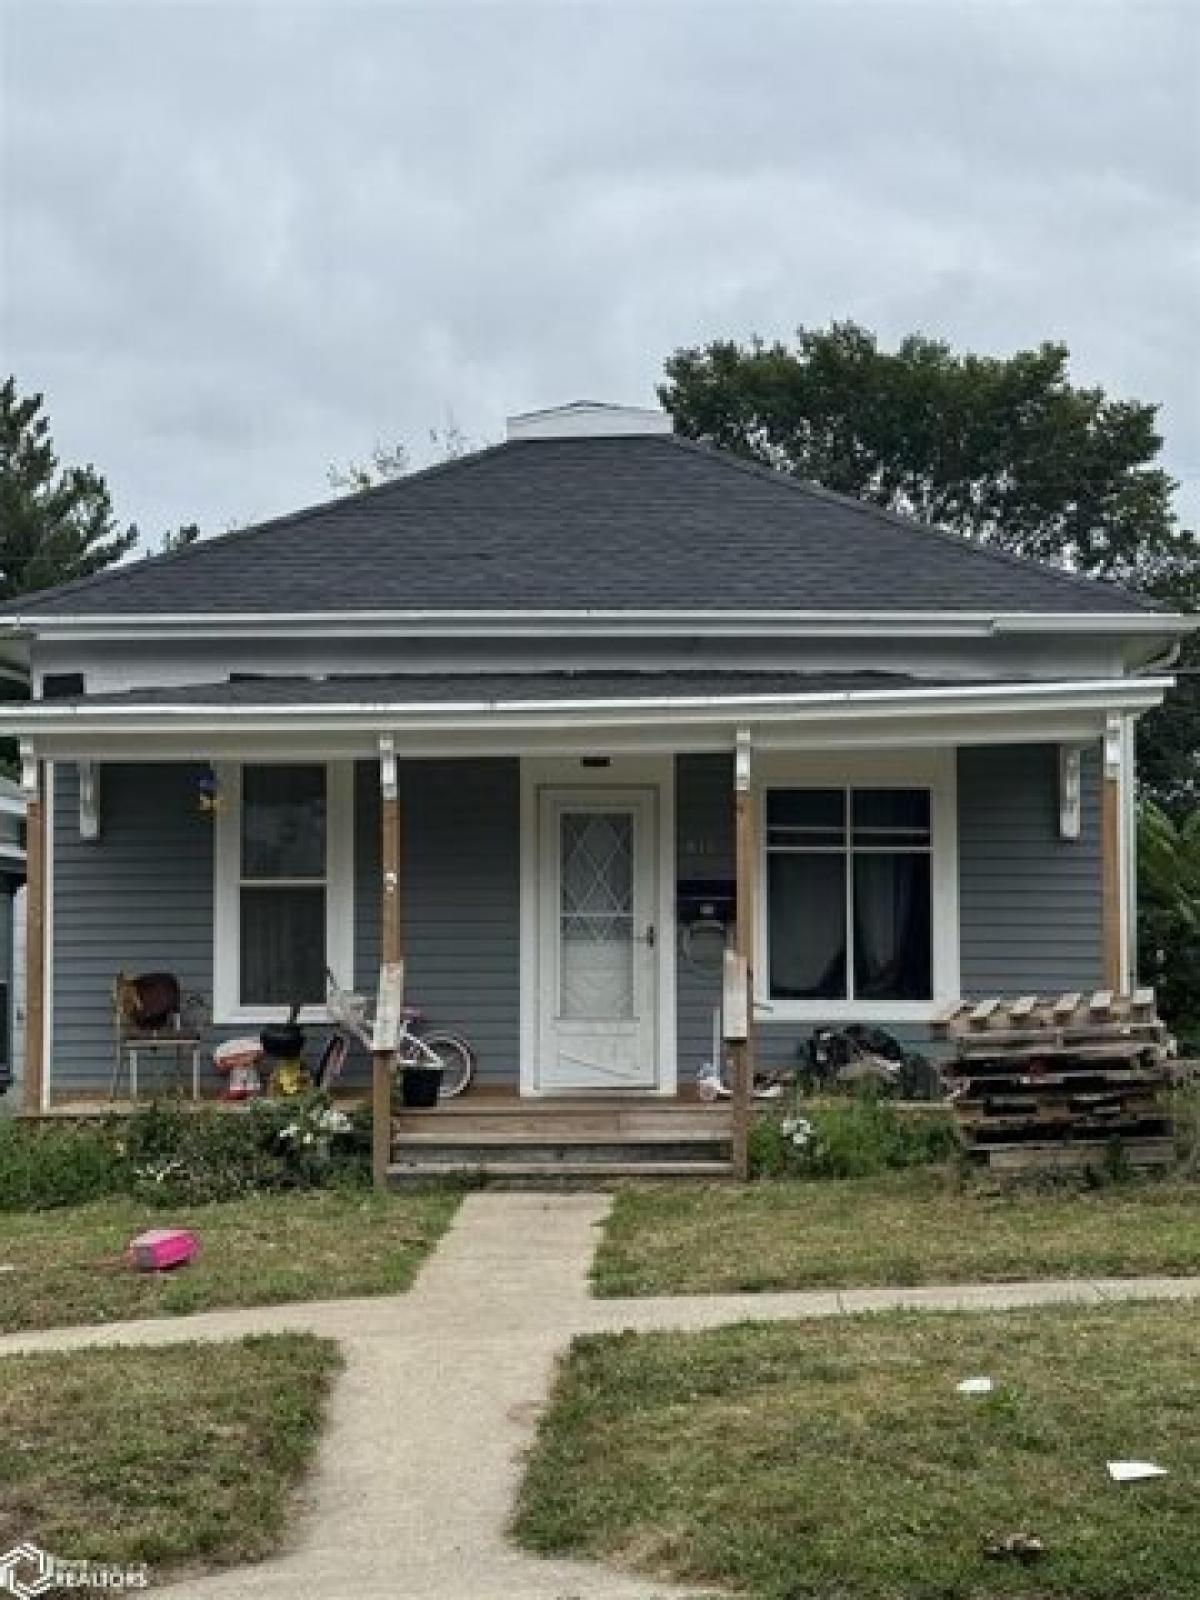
x,y
597,978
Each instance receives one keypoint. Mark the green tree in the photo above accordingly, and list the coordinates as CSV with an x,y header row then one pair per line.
x,y
1168,748
389,461
56,523
1005,450
1169,924
178,538
386,461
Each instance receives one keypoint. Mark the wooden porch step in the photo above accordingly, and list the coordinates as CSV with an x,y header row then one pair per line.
x,y
595,1152
434,1134
560,1124
593,1139
553,1172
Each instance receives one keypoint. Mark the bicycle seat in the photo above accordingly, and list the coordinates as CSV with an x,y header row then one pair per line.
x,y
411,1014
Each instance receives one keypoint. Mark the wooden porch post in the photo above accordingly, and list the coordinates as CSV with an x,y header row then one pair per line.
x,y
35,928
1110,854
743,1051
382,1061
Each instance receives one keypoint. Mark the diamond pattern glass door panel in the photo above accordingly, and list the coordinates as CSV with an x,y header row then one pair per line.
x,y
596,912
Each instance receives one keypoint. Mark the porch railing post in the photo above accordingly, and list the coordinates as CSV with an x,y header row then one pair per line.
x,y
35,928
743,1051
390,944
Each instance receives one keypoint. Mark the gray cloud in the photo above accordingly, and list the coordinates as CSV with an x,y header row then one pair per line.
x,y
243,241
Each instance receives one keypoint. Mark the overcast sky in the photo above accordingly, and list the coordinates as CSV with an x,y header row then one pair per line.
x,y
243,241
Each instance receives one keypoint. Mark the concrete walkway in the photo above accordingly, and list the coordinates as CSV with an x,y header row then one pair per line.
x,y
417,1472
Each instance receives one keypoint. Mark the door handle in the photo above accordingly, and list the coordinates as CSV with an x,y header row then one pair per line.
x,y
648,936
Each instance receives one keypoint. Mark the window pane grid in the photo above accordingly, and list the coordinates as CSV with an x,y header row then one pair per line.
x,y
869,935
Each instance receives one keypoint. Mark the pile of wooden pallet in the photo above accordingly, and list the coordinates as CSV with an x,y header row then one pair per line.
x,y
1059,1082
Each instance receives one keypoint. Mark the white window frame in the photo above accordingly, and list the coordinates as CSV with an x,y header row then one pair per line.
x,y
935,770
227,886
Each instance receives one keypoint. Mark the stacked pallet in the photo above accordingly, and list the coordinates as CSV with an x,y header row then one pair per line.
x,y
1058,1082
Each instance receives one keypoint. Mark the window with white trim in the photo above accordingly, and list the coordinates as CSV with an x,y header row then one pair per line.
x,y
850,894
284,910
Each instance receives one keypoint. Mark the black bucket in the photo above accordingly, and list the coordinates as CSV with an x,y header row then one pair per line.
x,y
419,1087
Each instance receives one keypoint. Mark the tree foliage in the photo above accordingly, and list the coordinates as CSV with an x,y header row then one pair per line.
x,y
1169,923
179,538
385,462
1005,450
389,461
1168,739
56,523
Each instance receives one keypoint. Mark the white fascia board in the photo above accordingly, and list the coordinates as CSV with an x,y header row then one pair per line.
x,y
1101,695
1140,622
624,623
635,739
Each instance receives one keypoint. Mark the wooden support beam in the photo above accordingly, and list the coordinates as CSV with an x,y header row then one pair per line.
x,y
743,1051
1110,881
35,932
383,1062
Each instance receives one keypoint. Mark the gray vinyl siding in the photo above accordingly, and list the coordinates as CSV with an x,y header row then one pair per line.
x,y
704,829
138,899
1030,901
141,897
460,897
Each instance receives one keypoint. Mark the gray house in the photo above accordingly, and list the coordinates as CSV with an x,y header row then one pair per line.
x,y
566,666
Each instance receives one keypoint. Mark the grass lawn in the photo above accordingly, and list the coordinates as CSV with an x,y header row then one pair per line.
x,y
176,1457
836,1460
66,1265
910,1227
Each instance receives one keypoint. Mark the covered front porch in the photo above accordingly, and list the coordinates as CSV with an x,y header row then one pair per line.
x,y
561,862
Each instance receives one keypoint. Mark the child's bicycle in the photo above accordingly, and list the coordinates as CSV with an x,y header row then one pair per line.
x,y
416,1046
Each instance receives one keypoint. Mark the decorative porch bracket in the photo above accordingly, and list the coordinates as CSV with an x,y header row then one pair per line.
x,y
1111,808
391,953
89,800
1070,791
743,1049
35,927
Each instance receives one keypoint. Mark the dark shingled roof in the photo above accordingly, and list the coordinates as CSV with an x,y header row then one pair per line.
x,y
497,688
648,522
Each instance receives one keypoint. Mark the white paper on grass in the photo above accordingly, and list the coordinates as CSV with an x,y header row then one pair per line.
x,y
975,1386
1132,1471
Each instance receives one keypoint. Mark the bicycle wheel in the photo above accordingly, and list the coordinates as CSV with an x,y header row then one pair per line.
x,y
456,1058
333,1059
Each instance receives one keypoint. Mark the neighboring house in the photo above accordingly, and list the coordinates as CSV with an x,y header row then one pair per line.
x,y
561,660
